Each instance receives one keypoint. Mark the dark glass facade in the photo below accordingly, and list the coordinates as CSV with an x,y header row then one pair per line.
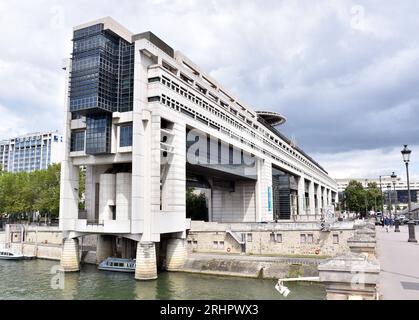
x,y
77,141
102,81
125,136
102,71
98,133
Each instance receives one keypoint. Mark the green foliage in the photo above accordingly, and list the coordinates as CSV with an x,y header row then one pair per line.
x,y
360,199
23,193
196,205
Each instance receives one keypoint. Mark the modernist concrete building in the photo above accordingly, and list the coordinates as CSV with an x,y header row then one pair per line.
x,y
30,152
147,124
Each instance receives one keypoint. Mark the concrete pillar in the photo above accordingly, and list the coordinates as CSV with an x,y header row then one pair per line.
x,y
146,262
90,193
123,196
301,195
174,198
106,196
176,254
70,258
329,197
311,198
324,202
104,248
264,194
69,184
319,199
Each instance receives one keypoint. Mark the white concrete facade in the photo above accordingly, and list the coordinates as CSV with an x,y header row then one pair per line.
x,y
171,96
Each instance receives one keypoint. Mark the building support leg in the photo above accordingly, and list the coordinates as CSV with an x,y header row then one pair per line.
x,y
70,258
146,262
104,248
176,254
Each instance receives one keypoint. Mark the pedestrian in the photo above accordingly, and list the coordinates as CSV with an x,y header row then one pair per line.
x,y
382,221
386,223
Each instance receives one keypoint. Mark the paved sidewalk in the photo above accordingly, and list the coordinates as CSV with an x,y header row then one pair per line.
x,y
399,262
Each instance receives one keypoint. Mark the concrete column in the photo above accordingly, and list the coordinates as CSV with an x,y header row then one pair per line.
x,y
319,199
146,262
176,254
324,202
301,195
174,198
141,147
264,195
69,184
329,197
123,196
70,258
104,248
106,196
90,193
311,198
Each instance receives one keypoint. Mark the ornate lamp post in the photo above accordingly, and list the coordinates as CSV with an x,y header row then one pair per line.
x,y
389,200
406,158
396,220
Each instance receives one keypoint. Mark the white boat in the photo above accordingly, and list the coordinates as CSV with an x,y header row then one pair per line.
x,y
7,254
117,264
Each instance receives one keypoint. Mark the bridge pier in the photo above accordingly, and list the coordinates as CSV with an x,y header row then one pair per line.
x,y
176,254
70,257
146,262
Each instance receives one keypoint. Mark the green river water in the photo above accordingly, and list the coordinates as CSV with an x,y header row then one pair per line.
x,y
32,279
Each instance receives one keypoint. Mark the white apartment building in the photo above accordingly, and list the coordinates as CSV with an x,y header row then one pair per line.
x,y
147,123
30,152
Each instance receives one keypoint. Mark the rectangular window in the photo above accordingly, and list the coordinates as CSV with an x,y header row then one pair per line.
x,y
302,238
279,238
77,141
215,244
195,244
335,239
272,237
125,139
310,238
249,237
221,245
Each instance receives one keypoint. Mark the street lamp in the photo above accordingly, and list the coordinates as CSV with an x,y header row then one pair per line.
x,y
396,221
389,199
394,180
406,158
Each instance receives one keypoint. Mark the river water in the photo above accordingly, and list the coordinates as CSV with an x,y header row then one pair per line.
x,y
35,279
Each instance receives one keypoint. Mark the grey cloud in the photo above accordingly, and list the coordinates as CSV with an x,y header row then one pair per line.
x,y
341,88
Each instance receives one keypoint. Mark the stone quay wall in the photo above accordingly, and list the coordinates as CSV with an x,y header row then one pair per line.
x,y
298,239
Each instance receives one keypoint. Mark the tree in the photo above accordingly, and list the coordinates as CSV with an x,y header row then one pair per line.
x,y
196,205
355,196
23,193
373,196
48,186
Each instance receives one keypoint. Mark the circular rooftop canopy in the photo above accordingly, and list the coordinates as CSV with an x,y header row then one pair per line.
x,y
273,118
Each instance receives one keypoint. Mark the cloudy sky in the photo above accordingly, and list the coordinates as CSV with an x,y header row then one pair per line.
x,y
344,73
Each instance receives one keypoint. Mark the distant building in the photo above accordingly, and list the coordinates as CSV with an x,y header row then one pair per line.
x,y
401,188
30,152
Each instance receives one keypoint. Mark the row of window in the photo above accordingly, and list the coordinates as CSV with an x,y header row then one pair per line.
x,y
200,102
78,138
274,238
173,104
